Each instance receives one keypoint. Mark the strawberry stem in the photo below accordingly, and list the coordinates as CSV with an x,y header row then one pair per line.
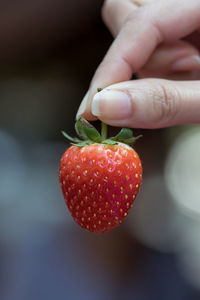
x,y
103,131
88,134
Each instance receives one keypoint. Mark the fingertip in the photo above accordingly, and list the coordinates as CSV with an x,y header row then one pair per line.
x,y
82,107
187,63
111,104
148,103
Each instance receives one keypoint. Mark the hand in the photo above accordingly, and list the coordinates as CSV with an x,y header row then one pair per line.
x,y
154,39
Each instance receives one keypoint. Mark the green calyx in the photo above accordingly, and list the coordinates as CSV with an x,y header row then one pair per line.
x,y
88,134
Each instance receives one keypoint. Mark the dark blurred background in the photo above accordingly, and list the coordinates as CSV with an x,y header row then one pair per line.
x,y
48,52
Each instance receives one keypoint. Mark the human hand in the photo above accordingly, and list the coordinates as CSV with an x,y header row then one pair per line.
x,y
154,38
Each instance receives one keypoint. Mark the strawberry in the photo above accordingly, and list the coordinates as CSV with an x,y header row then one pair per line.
x,y
100,178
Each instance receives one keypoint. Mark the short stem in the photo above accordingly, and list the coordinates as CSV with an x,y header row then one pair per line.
x,y
103,130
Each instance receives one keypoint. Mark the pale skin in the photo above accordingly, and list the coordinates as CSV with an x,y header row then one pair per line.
x,y
160,41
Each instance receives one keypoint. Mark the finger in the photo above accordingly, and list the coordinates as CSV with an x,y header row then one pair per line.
x,y
149,103
143,31
179,56
190,75
115,12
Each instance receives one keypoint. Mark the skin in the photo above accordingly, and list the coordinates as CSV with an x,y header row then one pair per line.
x,y
160,41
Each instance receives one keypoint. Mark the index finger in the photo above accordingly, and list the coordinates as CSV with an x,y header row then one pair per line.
x,y
144,29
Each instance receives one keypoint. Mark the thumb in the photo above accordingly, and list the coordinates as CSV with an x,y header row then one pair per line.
x,y
148,103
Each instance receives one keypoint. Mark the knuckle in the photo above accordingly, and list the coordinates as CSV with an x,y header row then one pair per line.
x,y
166,102
135,17
106,10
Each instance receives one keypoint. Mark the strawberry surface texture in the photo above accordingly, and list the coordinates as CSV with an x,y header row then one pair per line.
x,y
100,182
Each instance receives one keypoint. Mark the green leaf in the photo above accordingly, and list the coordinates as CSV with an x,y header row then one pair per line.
x,y
93,134
71,139
86,131
81,144
109,142
130,141
124,134
90,135
79,129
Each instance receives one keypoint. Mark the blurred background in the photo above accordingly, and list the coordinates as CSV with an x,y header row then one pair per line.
x,y
49,51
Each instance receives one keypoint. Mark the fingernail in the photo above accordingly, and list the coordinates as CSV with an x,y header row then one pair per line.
x,y
111,105
187,63
82,107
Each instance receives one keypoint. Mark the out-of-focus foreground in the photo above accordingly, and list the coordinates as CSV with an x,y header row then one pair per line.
x,y
49,51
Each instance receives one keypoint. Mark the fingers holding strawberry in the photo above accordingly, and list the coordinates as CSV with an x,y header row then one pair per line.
x,y
150,42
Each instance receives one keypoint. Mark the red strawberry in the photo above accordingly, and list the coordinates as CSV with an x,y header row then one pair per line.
x,y
100,179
